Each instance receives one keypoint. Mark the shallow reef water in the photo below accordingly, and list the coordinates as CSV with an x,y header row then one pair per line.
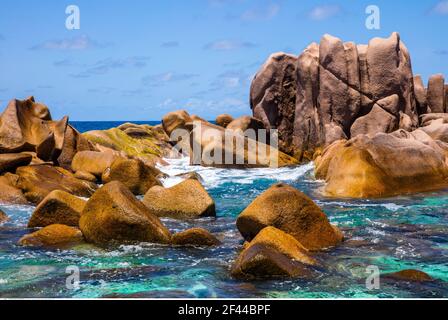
x,y
406,232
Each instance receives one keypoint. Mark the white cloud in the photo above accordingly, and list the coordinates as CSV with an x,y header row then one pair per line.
x,y
266,13
441,8
324,12
157,80
82,42
227,45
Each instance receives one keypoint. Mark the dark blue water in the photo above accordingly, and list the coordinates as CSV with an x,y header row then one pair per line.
x,y
392,234
84,126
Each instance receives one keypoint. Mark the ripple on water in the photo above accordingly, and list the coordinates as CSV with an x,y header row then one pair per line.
x,y
403,232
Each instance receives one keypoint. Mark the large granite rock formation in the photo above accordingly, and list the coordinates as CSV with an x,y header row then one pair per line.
x,y
336,90
26,126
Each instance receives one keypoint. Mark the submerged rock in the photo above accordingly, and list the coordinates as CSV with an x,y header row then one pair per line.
x,y
134,174
409,276
58,207
288,209
383,165
38,181
53,235
185,200
272,253
113,214
195,237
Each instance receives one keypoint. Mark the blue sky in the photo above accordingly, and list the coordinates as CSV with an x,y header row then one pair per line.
x,y
138,59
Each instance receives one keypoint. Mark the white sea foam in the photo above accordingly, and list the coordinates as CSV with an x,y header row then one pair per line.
x,y
214,177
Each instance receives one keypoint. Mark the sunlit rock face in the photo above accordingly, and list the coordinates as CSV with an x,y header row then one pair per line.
x,y
335,90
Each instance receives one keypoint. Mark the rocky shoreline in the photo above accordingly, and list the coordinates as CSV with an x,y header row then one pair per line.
x,y
370,126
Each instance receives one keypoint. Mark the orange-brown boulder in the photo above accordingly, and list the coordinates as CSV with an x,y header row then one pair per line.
x,y
59,207
187,199
195,237
291,211
38,181
273,253
114,214
55,235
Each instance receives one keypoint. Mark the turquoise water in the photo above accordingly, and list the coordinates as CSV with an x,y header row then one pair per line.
x,y
392,234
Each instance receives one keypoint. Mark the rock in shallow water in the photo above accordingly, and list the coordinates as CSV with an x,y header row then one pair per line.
x,y
195,237
291,211
59,207
113,214
409,275
185,200
134,174
272,253
53,235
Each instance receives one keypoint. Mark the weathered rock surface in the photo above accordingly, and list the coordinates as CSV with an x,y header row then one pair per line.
x,y
59,207
87,176
214,146
134,174
26,125
195,237
250,127
148,149
272,253
175,120
9,192
185,200
11,161
436,94
291,211
93,162
336,90
55,235
223,120
36,182
384,165
113,214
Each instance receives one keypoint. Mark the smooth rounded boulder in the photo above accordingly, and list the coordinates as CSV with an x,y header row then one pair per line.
x,y
114,214
59,207
55,235
93,162
195,237
288,209
185,200
383,165
134,174
273,253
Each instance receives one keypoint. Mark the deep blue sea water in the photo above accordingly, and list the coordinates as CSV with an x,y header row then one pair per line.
x,y
84,126
392,234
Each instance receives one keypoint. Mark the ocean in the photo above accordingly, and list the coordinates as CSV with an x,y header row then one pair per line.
x,y
405,232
